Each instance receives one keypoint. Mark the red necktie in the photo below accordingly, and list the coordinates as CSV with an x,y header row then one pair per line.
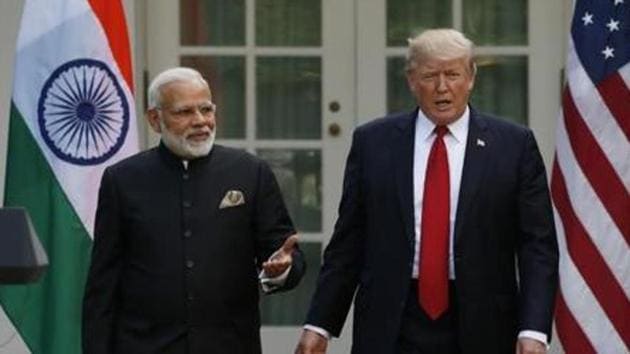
x,y
434,233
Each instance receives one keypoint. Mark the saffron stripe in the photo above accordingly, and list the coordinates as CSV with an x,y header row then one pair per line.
x,y
112,18
571,335
596,167
617,97
588,260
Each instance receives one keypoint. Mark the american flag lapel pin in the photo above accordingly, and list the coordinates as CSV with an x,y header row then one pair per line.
x,y
481,142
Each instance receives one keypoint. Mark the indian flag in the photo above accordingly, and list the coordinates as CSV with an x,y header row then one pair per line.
x,y
72,115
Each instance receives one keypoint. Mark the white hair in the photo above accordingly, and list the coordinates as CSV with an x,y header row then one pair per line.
x,y
441,43
166,77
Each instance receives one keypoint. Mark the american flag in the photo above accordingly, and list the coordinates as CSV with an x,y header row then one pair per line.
x,y
590,182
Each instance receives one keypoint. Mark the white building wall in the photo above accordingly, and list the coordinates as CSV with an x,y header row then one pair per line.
x,y
10,11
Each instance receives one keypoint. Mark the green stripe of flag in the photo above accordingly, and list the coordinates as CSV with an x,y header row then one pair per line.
x,y
47,313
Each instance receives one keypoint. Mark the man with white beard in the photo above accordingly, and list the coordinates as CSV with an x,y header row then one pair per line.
x,y
184,234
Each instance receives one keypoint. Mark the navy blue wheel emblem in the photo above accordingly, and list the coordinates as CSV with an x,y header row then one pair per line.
x,y
83,113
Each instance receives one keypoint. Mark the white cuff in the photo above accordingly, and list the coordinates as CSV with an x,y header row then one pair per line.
x,y
535,335
322,332
268,284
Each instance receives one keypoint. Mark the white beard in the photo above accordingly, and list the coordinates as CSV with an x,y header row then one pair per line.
x,y
184,148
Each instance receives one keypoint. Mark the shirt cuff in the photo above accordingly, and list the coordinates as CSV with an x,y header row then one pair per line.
x,y
269,284
322,332
535,335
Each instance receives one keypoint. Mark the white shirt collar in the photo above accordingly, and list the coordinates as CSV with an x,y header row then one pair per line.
x,y
458,129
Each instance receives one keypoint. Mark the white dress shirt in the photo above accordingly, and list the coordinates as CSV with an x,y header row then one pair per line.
x,y
455,141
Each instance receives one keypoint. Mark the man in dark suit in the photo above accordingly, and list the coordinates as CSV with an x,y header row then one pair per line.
x,y
180,232
439,206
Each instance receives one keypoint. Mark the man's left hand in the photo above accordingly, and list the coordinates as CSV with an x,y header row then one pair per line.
x,y
281,259
530,346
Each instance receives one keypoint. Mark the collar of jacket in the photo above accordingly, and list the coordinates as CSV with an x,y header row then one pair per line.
x,y
176,161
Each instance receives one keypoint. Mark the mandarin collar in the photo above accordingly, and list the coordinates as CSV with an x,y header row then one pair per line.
x,y
177,161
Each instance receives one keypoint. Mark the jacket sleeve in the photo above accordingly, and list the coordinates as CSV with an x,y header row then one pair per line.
x,y
343,257
100,298
537,245
273,226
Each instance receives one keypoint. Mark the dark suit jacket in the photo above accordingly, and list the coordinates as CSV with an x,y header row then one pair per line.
x,y
503,216
172,272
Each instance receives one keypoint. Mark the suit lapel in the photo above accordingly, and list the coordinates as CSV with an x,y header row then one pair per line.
x,y
403,142
474,164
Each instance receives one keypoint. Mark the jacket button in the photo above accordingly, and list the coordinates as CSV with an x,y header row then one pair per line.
x,y
186,204
187,233
185,176
190,264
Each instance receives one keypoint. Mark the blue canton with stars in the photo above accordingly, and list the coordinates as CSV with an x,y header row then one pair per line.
x,y
601,34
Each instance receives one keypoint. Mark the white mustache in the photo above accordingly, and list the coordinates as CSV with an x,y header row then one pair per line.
x,y
204,130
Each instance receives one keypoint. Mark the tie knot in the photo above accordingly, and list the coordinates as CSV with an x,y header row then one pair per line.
x,y
441,130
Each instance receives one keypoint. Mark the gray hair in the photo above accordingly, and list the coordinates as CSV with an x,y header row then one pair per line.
x,y
441,43
168,76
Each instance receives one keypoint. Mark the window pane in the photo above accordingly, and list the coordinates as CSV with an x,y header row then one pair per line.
x,y
501,87
288,98
288,22
496,22
226,76
398,96
298,173
212,22
289,309
406,18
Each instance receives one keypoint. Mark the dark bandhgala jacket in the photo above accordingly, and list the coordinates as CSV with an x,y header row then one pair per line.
x,y
174,267
505,249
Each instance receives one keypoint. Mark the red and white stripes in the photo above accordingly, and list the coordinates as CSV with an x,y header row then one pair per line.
x,y
590,190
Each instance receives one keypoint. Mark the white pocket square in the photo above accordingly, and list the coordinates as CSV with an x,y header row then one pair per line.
x,y
231,199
